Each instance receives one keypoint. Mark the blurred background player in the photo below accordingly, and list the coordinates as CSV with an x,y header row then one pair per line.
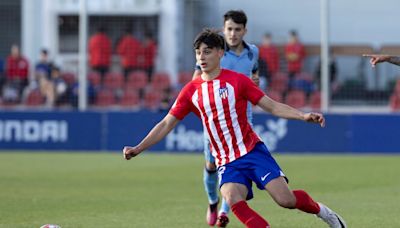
x,y
100,50
17,71
147,54
241,57
295,54
128,51
270,55
375,59
219,97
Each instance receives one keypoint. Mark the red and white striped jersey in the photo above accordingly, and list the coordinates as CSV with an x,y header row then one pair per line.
x,y
221,104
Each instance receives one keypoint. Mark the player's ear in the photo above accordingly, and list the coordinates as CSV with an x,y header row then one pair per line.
x,y
220,52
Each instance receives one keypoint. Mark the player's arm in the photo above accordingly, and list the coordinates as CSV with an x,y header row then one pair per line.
x,y
155,135
287,112
375,59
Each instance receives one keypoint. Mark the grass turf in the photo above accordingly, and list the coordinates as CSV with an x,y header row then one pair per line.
x,y
165,190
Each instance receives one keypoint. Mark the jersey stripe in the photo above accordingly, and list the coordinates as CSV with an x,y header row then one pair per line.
x,y
218,110
235,123
223,102
218,133
212,131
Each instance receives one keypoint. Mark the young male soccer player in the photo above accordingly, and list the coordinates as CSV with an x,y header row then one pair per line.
x,y
241,57
375,59
219,97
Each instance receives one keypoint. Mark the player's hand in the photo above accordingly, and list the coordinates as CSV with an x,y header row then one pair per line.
x,y
375,59
130,152
256,79
313,117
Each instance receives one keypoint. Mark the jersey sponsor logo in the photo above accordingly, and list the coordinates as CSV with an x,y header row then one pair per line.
x,y
223,92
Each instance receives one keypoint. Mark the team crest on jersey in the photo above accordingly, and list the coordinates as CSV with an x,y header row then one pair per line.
x,y
223,92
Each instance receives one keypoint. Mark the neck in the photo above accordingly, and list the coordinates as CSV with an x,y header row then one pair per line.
x,y
237,49
208,76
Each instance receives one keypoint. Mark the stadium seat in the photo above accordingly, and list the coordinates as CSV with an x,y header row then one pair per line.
x,y
69,78
113,80
161,81
34,98
184,78
395,102
275,95
136,80
279,82
397,87
296,99
315,100
94,79
105,97
130,99
152,99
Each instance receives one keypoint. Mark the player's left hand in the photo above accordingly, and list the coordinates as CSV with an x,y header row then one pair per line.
x,y
313,117
130,152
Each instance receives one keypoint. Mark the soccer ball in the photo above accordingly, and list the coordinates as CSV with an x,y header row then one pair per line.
x,y
50,226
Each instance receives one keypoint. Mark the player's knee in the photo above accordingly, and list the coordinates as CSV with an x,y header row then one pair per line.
x,y
230,198
287,202
233,195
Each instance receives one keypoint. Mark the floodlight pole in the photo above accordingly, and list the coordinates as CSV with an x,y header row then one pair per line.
x,y
82,93
325,83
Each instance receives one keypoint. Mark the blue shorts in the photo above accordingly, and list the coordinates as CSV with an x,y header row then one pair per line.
x,y
257,166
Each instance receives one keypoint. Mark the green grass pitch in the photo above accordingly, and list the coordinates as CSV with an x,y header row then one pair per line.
x,y
165,190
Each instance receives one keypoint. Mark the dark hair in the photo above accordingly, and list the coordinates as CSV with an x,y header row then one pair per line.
x,y
293,32
209,37
44,51
238,16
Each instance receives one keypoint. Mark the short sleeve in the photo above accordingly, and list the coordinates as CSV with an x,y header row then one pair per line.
x,y
182,104
250,90
256,57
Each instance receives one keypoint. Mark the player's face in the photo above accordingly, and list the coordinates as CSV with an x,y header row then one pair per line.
x,y
234,33
208,58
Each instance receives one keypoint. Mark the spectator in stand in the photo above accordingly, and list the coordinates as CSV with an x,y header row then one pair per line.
x,y
147,54
44,64
295,54
128,50
17,70
2,76
100,52
332,74
269,53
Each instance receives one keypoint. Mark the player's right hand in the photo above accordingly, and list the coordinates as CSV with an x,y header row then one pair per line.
x,y
130,152
375,59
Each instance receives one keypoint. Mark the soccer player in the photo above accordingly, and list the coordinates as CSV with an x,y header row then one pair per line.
x,y
241,57
375,59
219,98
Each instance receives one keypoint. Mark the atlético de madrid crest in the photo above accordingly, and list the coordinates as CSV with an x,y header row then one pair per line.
x,y
223,92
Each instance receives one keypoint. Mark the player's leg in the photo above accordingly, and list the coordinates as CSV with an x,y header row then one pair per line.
x,y
236,189
268,175
223,219
299,199
235,195
210,180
